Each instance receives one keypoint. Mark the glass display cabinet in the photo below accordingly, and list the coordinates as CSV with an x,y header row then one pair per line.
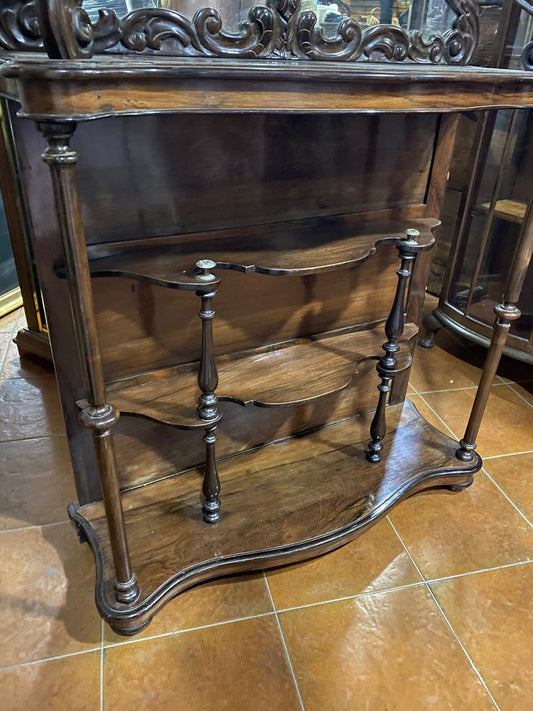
x,y
497,187
231,210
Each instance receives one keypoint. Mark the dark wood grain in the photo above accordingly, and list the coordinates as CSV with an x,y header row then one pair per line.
x,y
297,248
284,375
102,87
290,374
326,465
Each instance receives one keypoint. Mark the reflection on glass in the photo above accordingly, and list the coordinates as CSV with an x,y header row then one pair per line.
x,y
428,15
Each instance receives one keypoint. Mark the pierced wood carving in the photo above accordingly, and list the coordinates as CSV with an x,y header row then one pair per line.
x,y
276,30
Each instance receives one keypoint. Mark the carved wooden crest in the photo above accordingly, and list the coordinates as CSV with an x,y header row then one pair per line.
x,y
277,29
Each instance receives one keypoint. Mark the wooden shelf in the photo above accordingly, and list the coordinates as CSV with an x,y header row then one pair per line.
x,y
288,248
290,374
320,491
510,210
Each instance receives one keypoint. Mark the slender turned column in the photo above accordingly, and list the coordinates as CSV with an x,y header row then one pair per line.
x,y
207,402
98,415
506,313
386,366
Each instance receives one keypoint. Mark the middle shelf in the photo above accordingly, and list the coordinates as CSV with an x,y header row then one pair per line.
x,y
290,373
285,248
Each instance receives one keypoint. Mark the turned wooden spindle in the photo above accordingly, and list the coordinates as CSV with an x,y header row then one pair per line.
x,y
506,313
97,415
386,365
207,382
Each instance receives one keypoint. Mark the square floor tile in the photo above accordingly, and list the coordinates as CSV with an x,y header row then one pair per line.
x,y
47,598
374,561
389,651
450,534
29,407
525,391
440,369
230,598
507,426
239,666
10,321
493,616
515,476
37,484
16,367
71,683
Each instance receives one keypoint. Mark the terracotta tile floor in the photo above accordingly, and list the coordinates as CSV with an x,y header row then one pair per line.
x,y
431,609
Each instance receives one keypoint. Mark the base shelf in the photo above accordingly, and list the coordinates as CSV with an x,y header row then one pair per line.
x,y
283,502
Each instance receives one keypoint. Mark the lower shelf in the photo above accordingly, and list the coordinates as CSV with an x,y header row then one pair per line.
x,y
283,502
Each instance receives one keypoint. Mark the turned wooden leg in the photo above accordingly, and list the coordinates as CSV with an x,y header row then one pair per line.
x,y
408,249
97,415
207,402
506,313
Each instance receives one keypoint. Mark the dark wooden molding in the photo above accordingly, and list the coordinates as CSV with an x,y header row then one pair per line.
x,y
276,30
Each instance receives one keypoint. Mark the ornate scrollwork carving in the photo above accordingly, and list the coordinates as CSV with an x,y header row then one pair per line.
x,y
258,33
461,40
149,29
277,29
19,26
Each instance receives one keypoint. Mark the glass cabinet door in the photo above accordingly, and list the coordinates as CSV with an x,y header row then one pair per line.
x,y
496,190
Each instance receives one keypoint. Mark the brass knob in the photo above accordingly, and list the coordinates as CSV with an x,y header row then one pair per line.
x,y
411,233
205,266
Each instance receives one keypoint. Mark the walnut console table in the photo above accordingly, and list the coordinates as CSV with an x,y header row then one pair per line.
x,y
287,181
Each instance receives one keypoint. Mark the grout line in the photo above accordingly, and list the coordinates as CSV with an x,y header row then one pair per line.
x,y
439,607
461,645
33,527
510,386
454,436
284,643
508,498
454,390
12,667
353,597
480,571
511,454
24,439
188,629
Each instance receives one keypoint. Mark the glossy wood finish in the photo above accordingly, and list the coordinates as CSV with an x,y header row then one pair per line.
x,y
326,465
97,415
387,367
295,248
303,275
103,87
294,373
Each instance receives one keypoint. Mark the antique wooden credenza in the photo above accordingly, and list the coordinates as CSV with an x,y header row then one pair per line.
x,y
292,183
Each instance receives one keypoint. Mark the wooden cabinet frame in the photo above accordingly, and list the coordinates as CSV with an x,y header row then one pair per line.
x,y
286,448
